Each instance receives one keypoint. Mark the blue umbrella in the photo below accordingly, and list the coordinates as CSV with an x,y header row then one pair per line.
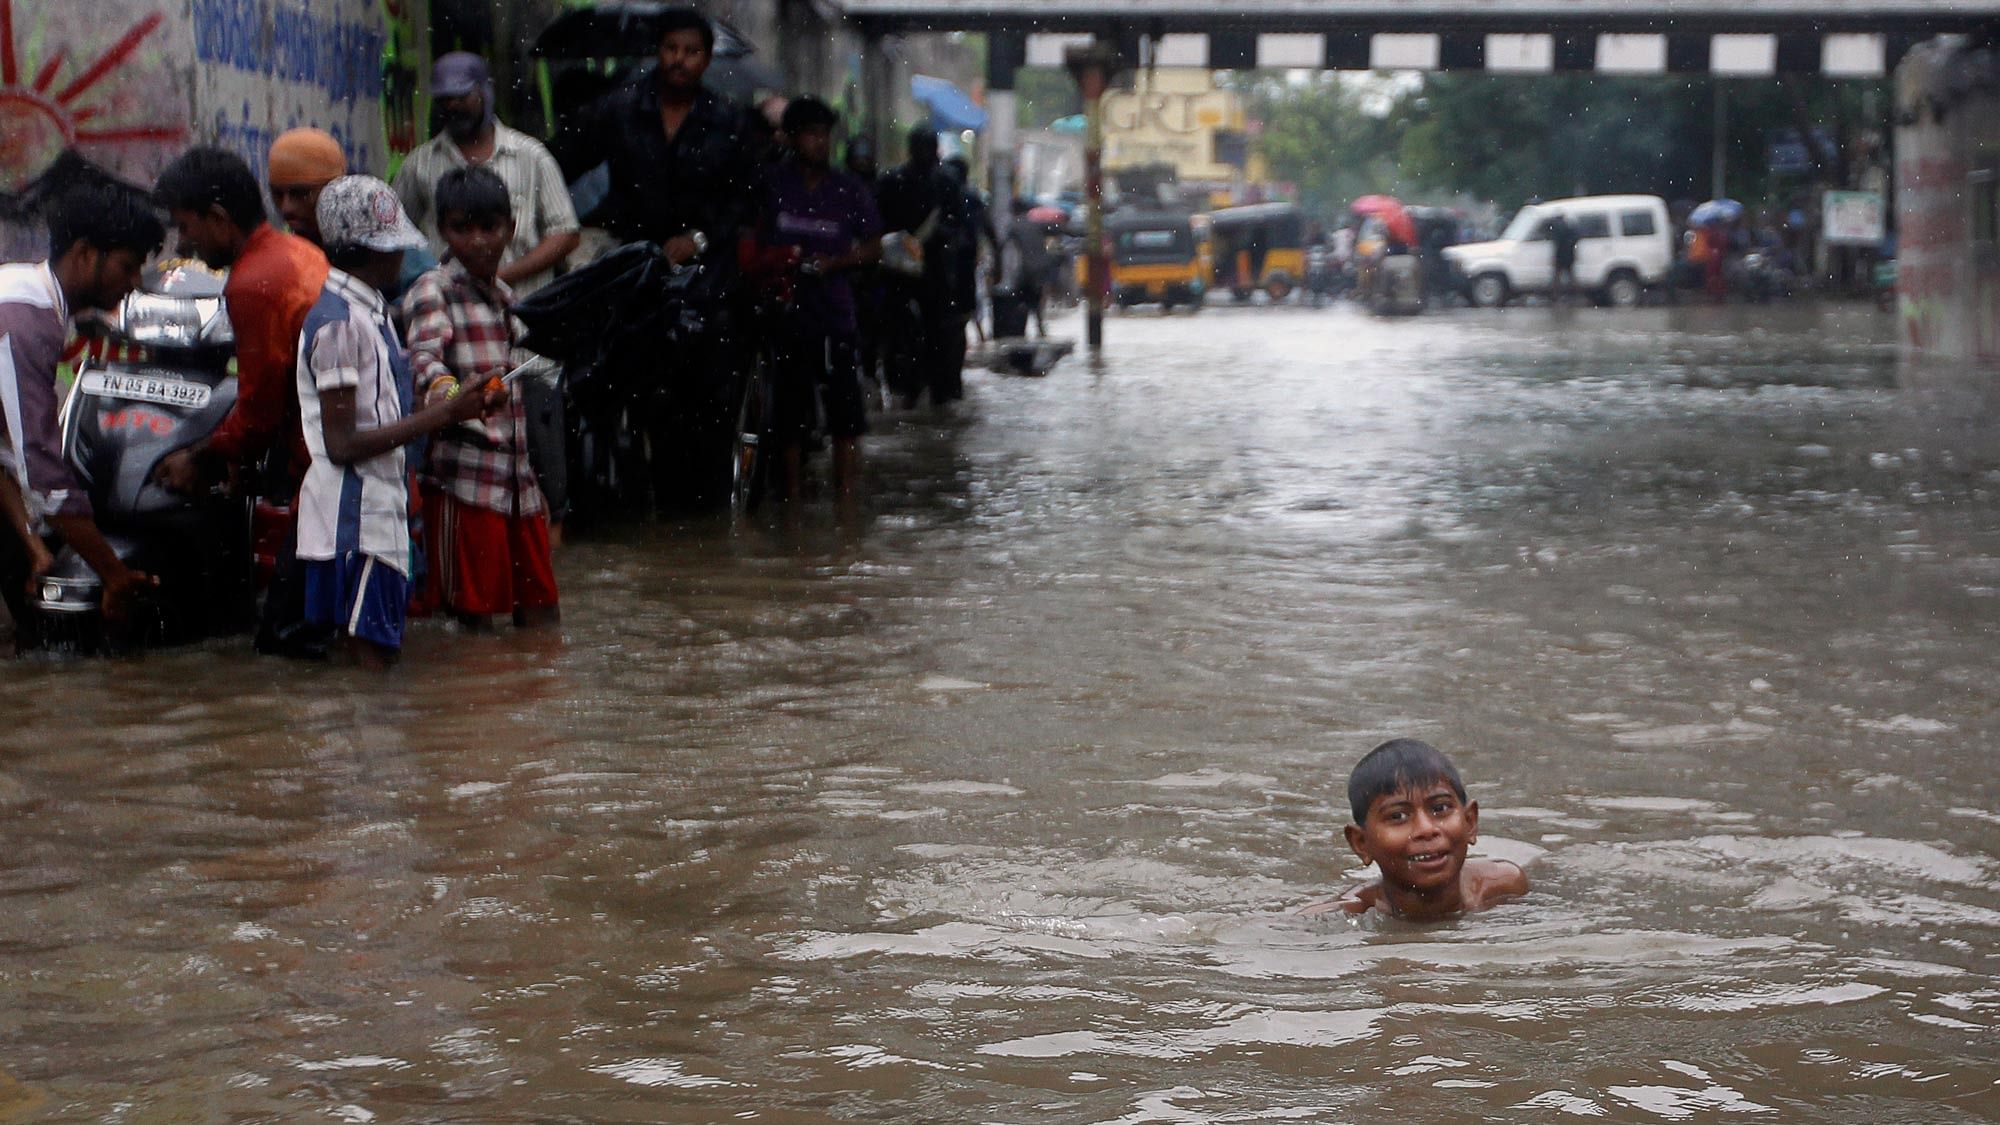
x,y
1716,211
952,109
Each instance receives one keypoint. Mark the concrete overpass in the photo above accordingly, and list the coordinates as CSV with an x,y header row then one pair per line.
x,y
1746,38
1948,110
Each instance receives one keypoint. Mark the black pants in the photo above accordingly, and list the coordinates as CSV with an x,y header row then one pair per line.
x,y
282,629
14,586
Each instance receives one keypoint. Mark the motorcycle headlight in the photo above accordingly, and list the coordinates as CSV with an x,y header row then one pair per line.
x,y
148,318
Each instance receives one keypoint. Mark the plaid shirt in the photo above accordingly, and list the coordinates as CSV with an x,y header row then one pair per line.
x,y
460,327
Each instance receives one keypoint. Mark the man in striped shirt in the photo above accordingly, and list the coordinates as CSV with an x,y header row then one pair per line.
x,y
545,226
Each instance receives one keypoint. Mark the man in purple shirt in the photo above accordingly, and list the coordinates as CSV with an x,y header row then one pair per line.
x,y
829,220
99,238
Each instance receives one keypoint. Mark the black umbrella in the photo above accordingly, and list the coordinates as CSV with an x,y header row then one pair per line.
x,y
624,29
629,29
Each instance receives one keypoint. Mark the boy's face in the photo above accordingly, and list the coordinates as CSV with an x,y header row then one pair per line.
x,y
477,242
814,144
1418,836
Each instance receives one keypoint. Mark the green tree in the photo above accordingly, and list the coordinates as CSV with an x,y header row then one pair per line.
x,y
1323,134
1512,138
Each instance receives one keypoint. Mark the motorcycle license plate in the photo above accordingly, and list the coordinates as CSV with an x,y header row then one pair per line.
x,y
146,388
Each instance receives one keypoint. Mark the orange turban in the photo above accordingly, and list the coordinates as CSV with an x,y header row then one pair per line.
x,y
306,156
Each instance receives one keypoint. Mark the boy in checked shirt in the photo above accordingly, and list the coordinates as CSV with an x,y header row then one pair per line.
x,y
486,524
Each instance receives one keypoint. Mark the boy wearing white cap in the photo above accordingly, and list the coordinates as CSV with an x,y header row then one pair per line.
x,y
355,401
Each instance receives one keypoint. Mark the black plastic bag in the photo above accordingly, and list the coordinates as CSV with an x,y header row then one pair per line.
x,y
618,316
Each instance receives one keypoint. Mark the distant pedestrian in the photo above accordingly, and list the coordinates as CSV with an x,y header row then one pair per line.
x,y
545,224
829,220
1025,263
1562,247
918,197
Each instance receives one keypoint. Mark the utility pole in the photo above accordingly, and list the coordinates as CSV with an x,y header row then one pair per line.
x,y
1718,161
1093,67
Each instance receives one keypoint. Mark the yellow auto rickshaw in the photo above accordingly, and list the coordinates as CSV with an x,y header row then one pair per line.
x,y
1157,257
1261,246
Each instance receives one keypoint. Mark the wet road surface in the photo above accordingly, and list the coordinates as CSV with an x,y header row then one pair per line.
x,y
997,807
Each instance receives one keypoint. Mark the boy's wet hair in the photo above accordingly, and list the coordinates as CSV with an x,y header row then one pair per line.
x,y
807,112
1397,766
105,216
475,194
207,176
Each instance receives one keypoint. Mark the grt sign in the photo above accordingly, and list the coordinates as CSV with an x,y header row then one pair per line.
x,y
1170,117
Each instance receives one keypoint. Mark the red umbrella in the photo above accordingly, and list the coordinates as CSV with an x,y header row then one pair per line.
x,y
1043,216
1393,215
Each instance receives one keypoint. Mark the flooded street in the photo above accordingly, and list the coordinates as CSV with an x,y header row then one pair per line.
x,y
998,807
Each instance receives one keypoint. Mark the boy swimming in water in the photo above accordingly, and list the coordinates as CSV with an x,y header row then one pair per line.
x,y
1413,821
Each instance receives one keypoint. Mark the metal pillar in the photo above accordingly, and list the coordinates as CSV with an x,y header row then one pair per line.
x,y
1718,174
877,98
1005,53
1000,108
1093,68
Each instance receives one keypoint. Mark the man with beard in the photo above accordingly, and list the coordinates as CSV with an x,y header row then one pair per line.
x,y
545,226
683,160
683,174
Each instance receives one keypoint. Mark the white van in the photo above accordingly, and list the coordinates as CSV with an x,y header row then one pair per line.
x,y
1624,243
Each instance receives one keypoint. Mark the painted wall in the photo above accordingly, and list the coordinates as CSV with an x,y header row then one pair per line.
x,y
1948,202
130,83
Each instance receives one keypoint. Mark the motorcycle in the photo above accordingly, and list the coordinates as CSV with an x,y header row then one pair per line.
x,y
652,380
1322,275
166,385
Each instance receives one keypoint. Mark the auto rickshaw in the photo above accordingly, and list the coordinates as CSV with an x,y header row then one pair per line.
x,y
1157,257
1261,246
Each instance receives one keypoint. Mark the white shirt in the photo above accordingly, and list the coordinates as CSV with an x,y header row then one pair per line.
x,y
363,507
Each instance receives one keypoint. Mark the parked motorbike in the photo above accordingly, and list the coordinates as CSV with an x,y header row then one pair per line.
x,y
120,420
1761,278
1322,275
653,380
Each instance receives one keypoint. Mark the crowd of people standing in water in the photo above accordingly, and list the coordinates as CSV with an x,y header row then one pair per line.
x,y
373,332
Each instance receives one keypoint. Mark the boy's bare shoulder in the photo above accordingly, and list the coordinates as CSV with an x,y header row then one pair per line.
x,y
1359,900
1489,882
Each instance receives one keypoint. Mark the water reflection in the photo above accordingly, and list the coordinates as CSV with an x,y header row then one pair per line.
x,y
999,804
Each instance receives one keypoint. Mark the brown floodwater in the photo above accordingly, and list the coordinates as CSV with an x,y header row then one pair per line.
x,y
997,805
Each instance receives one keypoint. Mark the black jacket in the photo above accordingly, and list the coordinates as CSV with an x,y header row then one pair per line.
x,y
707,178
908,197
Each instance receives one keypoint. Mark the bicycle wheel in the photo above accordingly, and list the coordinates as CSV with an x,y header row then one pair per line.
x,y
750,448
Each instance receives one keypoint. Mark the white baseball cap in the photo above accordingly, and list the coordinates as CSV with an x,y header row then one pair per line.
x,y
364,211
